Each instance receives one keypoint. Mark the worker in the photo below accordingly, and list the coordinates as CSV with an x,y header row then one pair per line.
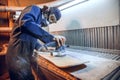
x,y
24,39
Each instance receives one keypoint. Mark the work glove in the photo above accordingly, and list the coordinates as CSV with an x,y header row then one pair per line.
x,y
43,49
60,40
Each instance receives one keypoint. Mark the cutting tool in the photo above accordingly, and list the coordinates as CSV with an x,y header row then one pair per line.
x,y
58,51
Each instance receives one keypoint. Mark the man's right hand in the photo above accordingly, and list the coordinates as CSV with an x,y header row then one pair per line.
x,y
60,40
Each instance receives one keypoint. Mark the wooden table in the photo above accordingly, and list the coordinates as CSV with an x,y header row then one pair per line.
x,y
95,68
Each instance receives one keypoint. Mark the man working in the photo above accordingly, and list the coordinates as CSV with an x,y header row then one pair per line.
x,y
23,39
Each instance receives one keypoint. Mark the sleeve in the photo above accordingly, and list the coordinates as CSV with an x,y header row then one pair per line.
x,y
38,45
33,28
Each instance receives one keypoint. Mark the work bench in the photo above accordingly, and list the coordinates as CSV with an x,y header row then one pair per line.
x,y
92,68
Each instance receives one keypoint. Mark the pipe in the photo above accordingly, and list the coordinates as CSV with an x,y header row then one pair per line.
x,y
5,29
10,8
51,4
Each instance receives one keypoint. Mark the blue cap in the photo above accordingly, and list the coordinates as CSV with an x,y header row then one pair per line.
x,y
56,11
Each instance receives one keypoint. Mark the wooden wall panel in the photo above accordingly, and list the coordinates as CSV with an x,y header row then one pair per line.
x,y
95,38
3,2
118,38
107,37
26,2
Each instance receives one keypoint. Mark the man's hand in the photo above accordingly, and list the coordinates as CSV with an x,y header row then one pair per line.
x,y
60,40
43,49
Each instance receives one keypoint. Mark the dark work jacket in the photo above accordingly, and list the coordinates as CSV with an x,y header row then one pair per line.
x,y
29,26
23,40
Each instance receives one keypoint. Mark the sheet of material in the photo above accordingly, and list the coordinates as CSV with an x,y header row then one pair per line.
x,y
96,69
51,71
64,61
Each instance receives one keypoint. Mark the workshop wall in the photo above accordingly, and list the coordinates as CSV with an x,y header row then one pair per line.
x,y
93,25
92,13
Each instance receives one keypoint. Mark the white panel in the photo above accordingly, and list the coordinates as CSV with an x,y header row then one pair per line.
x,y
93,13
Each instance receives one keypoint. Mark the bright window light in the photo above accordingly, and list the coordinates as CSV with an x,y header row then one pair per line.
x,y
70,4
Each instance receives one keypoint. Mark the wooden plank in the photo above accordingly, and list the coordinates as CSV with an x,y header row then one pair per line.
x,y
93,37
119,37
88,38
106,38
79,37
115,39
96,39
112,37
50,71
103,35
85,37
62,62
109,40
91,33
93,69
82,36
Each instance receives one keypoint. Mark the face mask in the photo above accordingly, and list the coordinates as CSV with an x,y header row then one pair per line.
x,y
52,18
44,23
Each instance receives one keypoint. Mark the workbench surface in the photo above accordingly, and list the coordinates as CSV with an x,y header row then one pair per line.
x,y
94,68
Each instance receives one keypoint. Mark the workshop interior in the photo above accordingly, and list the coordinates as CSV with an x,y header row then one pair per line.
x,y
92,47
